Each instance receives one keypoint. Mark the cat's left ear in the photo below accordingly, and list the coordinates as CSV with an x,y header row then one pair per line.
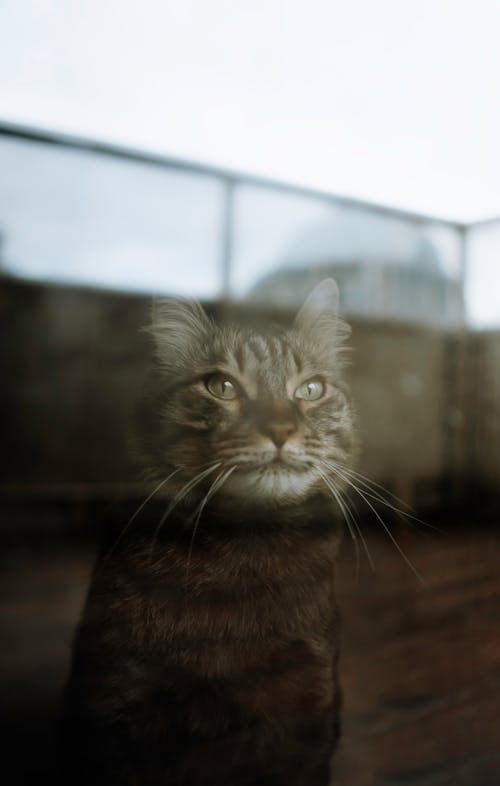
x,y
319,318
321,309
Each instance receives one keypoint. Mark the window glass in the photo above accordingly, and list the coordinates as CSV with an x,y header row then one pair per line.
x,y
482,290
79,217
385,265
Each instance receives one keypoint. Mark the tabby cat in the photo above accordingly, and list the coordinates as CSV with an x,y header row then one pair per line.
x,y
207,651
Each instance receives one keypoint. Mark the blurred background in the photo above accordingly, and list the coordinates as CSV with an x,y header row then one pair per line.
x,y
239,153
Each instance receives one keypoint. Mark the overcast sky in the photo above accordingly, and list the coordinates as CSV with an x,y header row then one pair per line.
x,y
393,101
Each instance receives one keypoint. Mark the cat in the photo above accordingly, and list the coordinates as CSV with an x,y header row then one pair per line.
x,y
207,651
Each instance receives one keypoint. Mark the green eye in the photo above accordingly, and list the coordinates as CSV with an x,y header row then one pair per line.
x,y
311,390
220,387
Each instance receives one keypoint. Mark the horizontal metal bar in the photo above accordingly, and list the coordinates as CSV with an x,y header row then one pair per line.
x,y
50,137
483,222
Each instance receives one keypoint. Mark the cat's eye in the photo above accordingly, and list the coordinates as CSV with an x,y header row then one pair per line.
x,y
311,390
220,387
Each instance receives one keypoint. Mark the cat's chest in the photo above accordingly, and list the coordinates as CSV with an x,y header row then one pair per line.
x,y
225,632
213,595
292,677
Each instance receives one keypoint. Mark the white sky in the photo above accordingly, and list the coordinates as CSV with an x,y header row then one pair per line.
x,y
393,101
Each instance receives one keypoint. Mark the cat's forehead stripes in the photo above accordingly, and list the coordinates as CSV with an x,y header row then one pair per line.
x,y
263,349
265,362
257,346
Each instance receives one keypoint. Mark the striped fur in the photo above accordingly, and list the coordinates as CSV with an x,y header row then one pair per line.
x,y
208,647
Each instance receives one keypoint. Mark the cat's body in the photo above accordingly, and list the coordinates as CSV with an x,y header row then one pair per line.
x,y
208,647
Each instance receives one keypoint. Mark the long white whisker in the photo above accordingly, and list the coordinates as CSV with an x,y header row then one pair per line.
x,y
139,509
367,484
348,517
214,488
372,483
370,488
328,483
354,523
180,496
396,544
359,531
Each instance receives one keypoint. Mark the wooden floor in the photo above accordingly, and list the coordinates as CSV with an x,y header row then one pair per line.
x,y
420,663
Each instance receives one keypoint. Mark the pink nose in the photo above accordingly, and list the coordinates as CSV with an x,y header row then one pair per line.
x,y
279,432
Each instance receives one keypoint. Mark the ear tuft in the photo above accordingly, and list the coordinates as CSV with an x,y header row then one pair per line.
x,y
178,327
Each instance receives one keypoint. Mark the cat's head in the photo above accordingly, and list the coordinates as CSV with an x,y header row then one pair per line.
x,y
254,415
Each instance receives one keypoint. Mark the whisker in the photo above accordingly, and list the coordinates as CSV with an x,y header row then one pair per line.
x,y
391,536
328,483
178,497
134,515
359,531
368,485
348,517
357,527
219,481
371,492
373,484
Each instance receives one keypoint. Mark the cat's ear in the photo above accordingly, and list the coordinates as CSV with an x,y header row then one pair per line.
x,y
319,316
179,328
321,309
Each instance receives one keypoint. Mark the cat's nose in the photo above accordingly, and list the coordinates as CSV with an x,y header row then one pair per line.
x,y
279,432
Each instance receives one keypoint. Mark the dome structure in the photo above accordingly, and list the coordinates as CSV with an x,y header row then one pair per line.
x,y
384,267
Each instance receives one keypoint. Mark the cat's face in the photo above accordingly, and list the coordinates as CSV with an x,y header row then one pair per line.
x,y
261,413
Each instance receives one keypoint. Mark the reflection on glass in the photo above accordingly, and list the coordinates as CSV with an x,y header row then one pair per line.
x,y
384,265
78,217
482,291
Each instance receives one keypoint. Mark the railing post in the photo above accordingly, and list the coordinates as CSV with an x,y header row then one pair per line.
x,y
227,237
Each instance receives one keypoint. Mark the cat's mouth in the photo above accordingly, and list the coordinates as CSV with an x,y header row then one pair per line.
x,y
290,462
272,478
275,461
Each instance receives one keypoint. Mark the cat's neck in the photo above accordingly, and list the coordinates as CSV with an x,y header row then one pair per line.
x,y
244,553
230,529
225,519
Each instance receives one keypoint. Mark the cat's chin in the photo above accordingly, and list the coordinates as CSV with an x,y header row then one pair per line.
x,y
271,483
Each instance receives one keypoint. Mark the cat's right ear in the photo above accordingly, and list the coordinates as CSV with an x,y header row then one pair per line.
x,y
179,328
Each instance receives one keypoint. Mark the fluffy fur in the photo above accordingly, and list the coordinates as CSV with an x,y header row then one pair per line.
x,y
208,646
